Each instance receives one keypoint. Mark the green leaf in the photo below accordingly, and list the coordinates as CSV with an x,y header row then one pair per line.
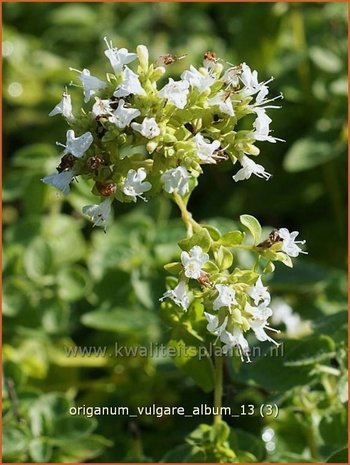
x,y
72,283
174,267
40,450
73,427
200,369
123,321
214,232
15,443
307,153
310,351
253,225
201,238
224,258
38,259
232,238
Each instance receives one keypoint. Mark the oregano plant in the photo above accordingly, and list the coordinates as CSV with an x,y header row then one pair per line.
x,y
141,133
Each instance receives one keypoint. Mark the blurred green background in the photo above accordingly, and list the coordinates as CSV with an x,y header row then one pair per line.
x,y
66,283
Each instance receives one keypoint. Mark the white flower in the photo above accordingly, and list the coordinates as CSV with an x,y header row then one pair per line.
x,y
60,180
123,116
76,146
223,101
130,85
226,297
134,185
205,149
101,108
261,312
196,79
231,76
262,127
193,261
176,180
99,214
283,313
249,167
176,92
148,128
213,324
64,107
118,57
259,292
259,326
235,339
178,295
90,83
289,244
250,81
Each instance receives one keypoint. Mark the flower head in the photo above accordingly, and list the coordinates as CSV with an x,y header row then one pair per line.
x,y
196,79
213,324
259,293
64,107
123,116
226,297
205,149
118,57
289,244
77,146
176,180
134,185
178,295
90,83
176,92
130,85
60,180
99,214
249,167
193,261
148,128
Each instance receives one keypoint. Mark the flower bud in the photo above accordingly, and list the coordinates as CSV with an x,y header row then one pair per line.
x,y
251,149
142,54
158,73
151,146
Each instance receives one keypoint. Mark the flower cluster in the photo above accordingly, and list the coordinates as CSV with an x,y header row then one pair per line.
x,y
235,302
139,133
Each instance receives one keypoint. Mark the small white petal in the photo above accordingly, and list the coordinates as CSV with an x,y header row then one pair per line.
x,y
176,180
226,297
99,214
64,107
130,85
118,57
134,185
193,261
77,146
196,79
123,116
148,128
176,92
60,180
249,167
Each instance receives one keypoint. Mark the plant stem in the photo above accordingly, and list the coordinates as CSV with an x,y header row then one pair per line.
x,y
218,388
186,216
